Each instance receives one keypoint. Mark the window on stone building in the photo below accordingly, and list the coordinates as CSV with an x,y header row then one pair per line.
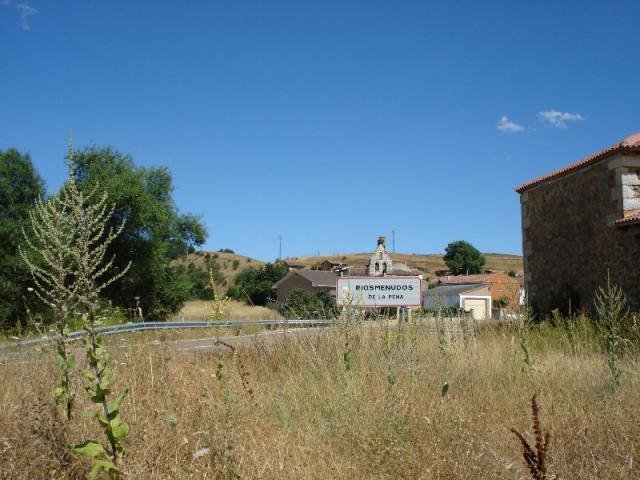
x,y
377,267
630,181
384,267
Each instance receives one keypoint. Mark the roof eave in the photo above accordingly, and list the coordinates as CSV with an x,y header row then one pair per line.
x,y
574,167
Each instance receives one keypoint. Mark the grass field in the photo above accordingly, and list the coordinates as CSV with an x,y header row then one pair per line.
x,y
349,403
197,310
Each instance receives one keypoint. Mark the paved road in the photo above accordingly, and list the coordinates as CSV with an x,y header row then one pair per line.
x,y
204,344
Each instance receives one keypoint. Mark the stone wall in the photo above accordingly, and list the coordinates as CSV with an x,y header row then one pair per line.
x,y
570,243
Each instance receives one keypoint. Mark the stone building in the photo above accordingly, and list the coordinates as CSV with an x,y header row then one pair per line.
x,y
581,223
314,281
380,263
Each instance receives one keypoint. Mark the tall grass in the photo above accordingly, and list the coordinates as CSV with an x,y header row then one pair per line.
x,y
308,416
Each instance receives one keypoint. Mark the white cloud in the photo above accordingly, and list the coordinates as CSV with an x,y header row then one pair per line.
x,y
26,11
506,125
557,119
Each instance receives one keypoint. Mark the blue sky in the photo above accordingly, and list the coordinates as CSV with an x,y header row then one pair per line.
x,y
331,122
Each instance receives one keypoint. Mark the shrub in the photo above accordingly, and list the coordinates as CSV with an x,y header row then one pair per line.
x,y
304,304
255,284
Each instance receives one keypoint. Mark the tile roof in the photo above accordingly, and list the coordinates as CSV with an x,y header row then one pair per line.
x,y
319,278
630,143
628,220
462,279
448,290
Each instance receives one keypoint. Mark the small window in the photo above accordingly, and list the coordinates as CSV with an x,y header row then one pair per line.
x,y
377,267
630,181
384,267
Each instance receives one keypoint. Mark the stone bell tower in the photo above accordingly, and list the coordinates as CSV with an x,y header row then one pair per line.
x,y
380,263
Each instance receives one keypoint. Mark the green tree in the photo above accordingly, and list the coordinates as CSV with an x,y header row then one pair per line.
x,y
255,284
20,187
198,280
463,258
154,231
301,303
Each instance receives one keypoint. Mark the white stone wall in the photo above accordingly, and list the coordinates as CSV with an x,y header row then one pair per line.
x,y
382,260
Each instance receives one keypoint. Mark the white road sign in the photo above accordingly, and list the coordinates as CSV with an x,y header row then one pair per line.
x,y
379,291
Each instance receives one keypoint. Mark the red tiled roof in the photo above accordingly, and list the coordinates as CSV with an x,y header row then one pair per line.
x,y
463,279
630,143
628,220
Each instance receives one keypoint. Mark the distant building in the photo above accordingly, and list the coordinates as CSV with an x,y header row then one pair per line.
x,y
500,284
474,299
382,264
580,224
324,279
314,281
331,265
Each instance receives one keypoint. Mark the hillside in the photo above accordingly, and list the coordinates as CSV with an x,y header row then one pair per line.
x,y
428,263
229,264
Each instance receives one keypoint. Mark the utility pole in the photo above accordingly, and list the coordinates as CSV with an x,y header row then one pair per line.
x,y
393,240
279,247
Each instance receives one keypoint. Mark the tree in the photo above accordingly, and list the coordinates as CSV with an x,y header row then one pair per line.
x,y
20,187
463,258
301,303
256,284
154,231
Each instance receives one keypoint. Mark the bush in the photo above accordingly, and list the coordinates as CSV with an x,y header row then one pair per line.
x,y
255,284
304,304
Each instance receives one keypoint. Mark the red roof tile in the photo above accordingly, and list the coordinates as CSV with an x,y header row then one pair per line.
x,y
628,220
630,143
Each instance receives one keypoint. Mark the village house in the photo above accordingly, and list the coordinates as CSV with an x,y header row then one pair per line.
x,y
325,279
474,299
505,291
581,224
314,281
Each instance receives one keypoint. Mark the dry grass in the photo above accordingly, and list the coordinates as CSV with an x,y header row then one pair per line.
x,y
309,418
426,262
197,310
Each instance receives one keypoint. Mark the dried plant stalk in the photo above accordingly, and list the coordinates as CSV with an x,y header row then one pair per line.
x,y
536,457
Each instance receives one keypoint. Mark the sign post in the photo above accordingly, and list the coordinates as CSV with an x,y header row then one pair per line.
x,y
377,292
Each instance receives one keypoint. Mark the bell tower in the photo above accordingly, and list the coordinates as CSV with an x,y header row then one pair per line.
x,y
380,263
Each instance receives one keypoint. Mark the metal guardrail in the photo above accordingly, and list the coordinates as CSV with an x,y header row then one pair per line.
x,y
141,326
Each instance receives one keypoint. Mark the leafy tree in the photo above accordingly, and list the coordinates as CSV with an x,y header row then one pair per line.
x,y
255,284
154,231
301,303
20,187
463,258
198,281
